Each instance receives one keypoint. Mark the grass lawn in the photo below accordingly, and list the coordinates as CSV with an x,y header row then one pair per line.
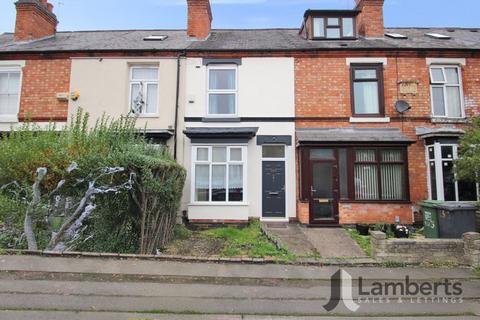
x,y
248,241
365,242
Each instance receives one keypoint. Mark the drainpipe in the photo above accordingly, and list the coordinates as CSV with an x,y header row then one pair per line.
x,y
177,106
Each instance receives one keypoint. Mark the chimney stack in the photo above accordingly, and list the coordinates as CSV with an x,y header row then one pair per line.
x,y
199,19
35,20
370,21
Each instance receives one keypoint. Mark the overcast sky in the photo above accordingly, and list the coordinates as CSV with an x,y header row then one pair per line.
x,y
171,14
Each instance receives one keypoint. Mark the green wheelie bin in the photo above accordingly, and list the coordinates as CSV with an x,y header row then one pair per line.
x,y
430,218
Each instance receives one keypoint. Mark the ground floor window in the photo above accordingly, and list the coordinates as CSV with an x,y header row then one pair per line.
x,y
357,173
441,171
219,173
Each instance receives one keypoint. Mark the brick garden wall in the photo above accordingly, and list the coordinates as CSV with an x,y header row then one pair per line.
x,y
462,251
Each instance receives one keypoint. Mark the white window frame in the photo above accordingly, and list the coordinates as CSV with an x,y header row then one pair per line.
x,y
437,149
145,82
444,85
233,67
9,69
229,162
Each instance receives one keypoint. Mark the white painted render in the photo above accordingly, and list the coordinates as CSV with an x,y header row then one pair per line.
x,y
265,89
103,84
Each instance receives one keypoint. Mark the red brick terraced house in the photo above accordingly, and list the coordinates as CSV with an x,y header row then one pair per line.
x,y
339,121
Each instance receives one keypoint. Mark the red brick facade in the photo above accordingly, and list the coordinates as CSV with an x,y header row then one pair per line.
x,y
323,100
34,20
42,80
199,19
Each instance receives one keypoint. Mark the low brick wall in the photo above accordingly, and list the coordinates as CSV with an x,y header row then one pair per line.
x,y
462,251
371,213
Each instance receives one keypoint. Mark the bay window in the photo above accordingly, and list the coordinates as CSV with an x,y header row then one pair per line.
x,y
380,174
144,90
443,184
10,84
367,90
219,173
222,90
446,91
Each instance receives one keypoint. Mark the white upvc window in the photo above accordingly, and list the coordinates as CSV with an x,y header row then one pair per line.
x,y
10,88
443,183
144,90
447,91
222,90
219,174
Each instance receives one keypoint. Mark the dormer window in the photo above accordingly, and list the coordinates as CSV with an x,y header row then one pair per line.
x,y
333,28
329,24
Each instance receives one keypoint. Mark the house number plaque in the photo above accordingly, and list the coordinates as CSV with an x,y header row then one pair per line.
x,y
408,87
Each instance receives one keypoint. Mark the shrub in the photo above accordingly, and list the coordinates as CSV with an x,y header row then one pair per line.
x,y
118,223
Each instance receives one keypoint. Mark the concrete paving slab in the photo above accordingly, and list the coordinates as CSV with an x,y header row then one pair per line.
x,y
291,237
217,270
58,315
333,242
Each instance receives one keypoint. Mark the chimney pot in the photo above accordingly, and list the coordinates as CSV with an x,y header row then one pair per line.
x,y
50,7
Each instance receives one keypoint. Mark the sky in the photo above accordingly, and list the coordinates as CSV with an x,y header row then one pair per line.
x,y
171,14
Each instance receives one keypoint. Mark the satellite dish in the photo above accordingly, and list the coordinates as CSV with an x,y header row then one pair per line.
x,y
402,106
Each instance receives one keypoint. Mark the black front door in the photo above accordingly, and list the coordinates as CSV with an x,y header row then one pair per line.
x,y
273,189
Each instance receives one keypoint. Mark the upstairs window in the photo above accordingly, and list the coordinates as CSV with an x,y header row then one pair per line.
x,y
222,90
367,90
9,92
333,27
447,93
144,90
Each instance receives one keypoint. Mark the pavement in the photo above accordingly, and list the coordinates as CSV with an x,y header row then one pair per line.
x,y
35,287
328,242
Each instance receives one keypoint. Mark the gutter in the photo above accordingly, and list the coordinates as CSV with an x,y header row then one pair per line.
x,y
177,104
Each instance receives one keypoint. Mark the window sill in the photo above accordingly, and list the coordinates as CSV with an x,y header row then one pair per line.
x,y
448,120
8,119
221,119
369,120
218,204
140,116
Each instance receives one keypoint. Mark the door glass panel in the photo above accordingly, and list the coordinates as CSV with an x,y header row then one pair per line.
x,y
322,154
447,152
273,151
342,160
448,181
322,190
433,180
